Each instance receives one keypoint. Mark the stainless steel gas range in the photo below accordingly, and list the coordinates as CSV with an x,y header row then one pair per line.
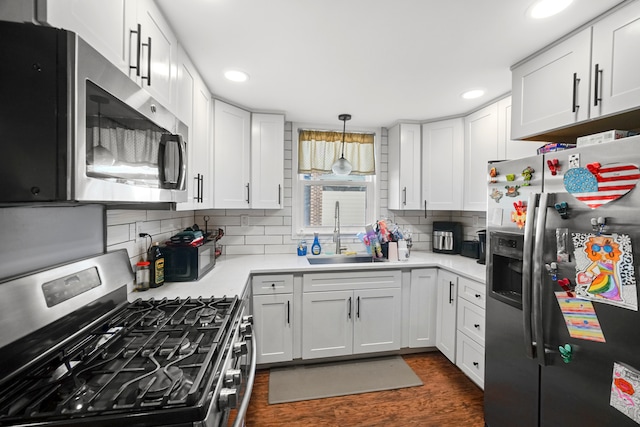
x,y
74,351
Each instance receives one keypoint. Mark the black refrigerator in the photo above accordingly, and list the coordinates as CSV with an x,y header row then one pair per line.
x,y
562,321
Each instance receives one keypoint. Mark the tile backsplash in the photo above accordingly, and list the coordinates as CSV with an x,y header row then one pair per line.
x,y
269,231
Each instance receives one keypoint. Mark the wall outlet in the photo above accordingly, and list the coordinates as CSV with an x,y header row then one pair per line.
x,y
138,231
244,220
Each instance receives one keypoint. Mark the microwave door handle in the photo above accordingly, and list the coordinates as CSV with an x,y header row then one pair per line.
x,y
527,258
538,278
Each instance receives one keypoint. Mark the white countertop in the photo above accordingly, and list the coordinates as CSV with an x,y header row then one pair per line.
x,y
231,272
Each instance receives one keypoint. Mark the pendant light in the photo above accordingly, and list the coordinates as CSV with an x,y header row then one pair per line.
x,y
342,165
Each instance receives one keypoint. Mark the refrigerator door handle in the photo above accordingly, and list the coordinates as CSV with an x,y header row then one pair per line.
x,y
527,258
538,276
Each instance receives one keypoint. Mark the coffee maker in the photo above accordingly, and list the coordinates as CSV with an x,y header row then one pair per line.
x,y
447,237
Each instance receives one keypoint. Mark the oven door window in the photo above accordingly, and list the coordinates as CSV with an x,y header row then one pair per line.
x,y
125,147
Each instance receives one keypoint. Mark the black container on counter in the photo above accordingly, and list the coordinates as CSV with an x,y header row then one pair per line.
x,y
156,257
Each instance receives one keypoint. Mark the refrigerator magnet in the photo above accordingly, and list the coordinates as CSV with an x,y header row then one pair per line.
x,y
596,184
604,269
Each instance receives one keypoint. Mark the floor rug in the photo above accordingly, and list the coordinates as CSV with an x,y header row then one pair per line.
x,y
295,383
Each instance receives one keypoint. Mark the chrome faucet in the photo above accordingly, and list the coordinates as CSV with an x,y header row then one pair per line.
x,y
336,229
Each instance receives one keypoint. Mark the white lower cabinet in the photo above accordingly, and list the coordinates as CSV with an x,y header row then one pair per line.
x,y
446,314
471,329
350,313
423,296
273,317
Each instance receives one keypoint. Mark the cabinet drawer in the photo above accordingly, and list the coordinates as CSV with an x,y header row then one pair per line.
x,y
339,281
272,284
470,359
473,292
471,320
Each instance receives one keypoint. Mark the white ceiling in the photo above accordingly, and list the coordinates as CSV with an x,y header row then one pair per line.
x,y
379,60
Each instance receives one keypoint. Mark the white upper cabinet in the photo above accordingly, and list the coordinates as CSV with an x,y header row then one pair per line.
x,y
480,146
592,74
442,164
404,167
248,159
193,107
552,89
133,35
153,52
231,145
267,161
103,24
615,62
509,149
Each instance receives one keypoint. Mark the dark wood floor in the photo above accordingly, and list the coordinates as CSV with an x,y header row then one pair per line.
x,y
447,398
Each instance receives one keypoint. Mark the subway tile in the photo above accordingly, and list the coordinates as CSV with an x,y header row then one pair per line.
x,y
232,240
245,231
277,230
118,234
266,220
244,250
119,216
224,220
263,240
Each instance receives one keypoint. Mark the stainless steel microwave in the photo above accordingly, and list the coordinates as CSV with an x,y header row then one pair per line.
x,y
76,128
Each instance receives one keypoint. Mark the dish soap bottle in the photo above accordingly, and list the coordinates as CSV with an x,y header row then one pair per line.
x,y
315,247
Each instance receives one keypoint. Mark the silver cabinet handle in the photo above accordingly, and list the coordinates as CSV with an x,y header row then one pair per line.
x,y
248,194
279,194
404,196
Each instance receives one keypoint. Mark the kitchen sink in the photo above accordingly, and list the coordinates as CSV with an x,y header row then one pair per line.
x,y
339,259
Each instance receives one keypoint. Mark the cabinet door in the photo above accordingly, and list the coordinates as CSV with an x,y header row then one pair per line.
x,y
423,308
615,62
185,90
267,161
272,319
327,324
103,24
404,167
470,359
158,53
442,165
508,149
202,144
231,144
546,95
446,309
377,320
480,146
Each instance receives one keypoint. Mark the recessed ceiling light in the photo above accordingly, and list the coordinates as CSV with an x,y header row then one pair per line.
x,y
545,8
473,94
236,76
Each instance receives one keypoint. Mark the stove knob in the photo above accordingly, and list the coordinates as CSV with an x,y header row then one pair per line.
x,y
228,398
232,377
247,319
246,328
240,348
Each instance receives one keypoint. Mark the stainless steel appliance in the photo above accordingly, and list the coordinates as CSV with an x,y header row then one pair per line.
x,y
80,129
184,263
539,371
447,237
75,352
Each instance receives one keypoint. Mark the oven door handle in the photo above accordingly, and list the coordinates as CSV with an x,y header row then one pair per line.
x,y
242,410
